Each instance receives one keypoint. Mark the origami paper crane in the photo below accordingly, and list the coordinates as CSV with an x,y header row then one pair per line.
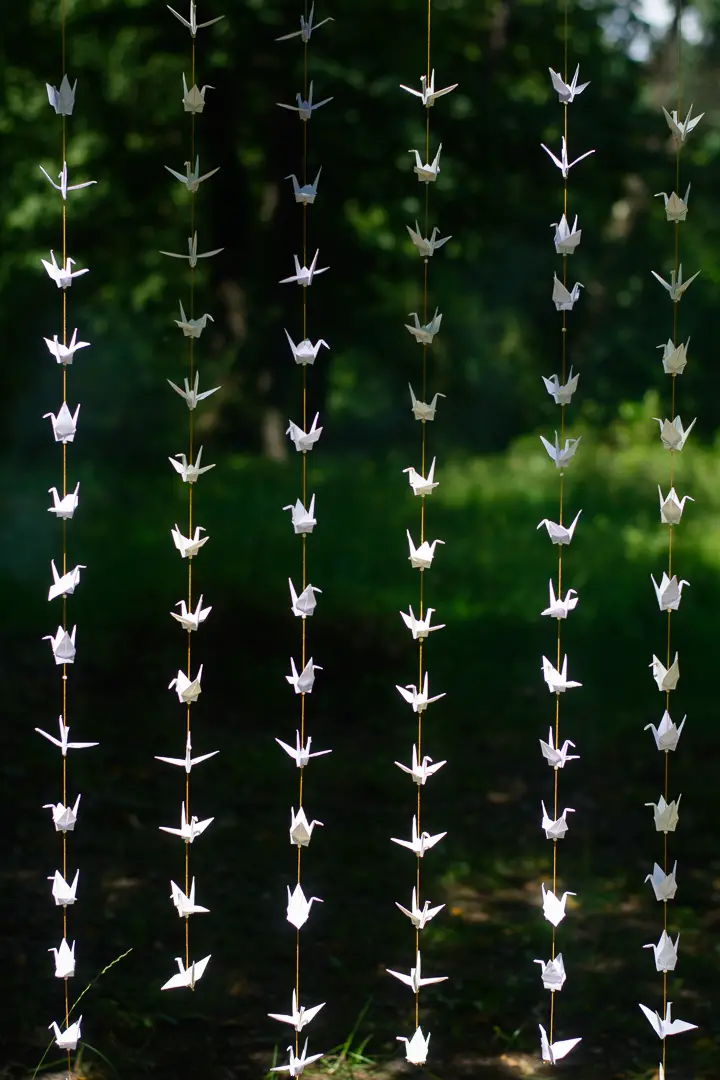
x,y
306,352
666,734
69,1038
557,759
420,770
666,678
664,885
62,275
420,409
306,29
64,584
63,99
303,521
193,25
674,359
193,255
567,92
668,1026
62,645
561,457
557,681
304,604
305,194
665,952
64,894
421,558
63,187
553,973
560,534
559,608
426,247
562,162
424,334
416,1048
64,353
428,173
422,485
672,435
566,239
419,844
301,829
298,1018
64,960
555,830
304,108
64,507
420,628
297,1064
187,976
189,471
418,916
675,208
188,761
304,274
194,98
187,690
668,592
561,393
188,829
64,817
64,425
298,907
190,620
666,814
418,699
191,397
192,328
301,754
186,546
553,906
415,980
565,299
681,129
304,440
303,683
185,905
64,741
192,178
428,94
554,1052
676,286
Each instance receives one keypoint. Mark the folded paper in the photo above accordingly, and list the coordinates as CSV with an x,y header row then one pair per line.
x,y
64,894
69,1038
303,605
306,27
560,534
415,980
680,129
297,1064
187,690
420,770
563,298
424,333
419,699
185,905
188,830
298,1018
557,758
426,246
64,507
553,973
426,173
186,977
557,828
675,208
64,817
64,741
304,682
421,843
192,178
301,829
664,885
193,255
190,620
301,754
192,397
62,275
666,678
665,952
566,238
567,92
64,425
64,960
63,645
559,608
671,508
304,440
667,1026
557,681
554,1052
668,592
420,409
675,287
666,734
64,584
192,328
672,434
193,25
427,93
63,187
194,99
303,521
421,558
304,107
665,815
416,1048
554,906
298,907
188,547
62,99
419,916
189,471
561,393
420,628
304,274
305,352
64,354
422,485
188,761
563,164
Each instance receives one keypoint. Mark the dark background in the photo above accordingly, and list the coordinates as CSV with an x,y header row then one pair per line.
x,y
497,195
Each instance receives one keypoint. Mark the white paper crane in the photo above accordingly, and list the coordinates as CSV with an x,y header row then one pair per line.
x,y
298,1018
301,829
426,246
64,894
187,470
188,761
419,916
64,960
64,425
64,741
420,770
419,699
62,275
424,333
668,592
561,393
420,628
675,208
664,885
304,107
420,409
674,359
69,1038
427,173
676,286
421,558
559,608
186,546
64,507
190,620
671,508
193,25
62,99
555,829
188,830
666,734
64,353
562,162
305,352
193,255
185,905
428,94
672,434
192,178
566,238
567,92
187,690
298,907
557,681
63,187
561,455
416,1048
681,128
64,584
194,99
666,678
192,397
301,754
306,27
305,194
665,952
422,485
666,814
303,605
192,328
303,521
304,682
553,973
668,1026
186,976
554,906
564,299
415,980
304,440
62,645
557,758
304,274
554,1052
560,534
419,844
64,817
297,1064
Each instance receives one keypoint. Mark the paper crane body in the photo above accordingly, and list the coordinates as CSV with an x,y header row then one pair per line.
x,y
185,905
421,558
304,440
62,99
188,761
665,952
68,1039
561,393
666,815
63,742
65,584
193,25
296,1065
189,471
561,457
664,885
419,916
666,734
304,682
415,980
190,620
192,397
301,754
428,94
301,829
680,129
64,354
559,608
304,274
668,1026
192,328
419,699
304,108
557,759
188,830
676,286
63,894
186,977
303,605
306,352
194,99
63,187
672,434
560,534
64,507
420,628
419,844
566,238
557,681
63,276
674,360
186,546
563,298
666,678
668,592
553,973
64,960
63,645
554,1052
188,690
306,27
671,508
554,906
675,208
298,907
64,425
567,92
424,333
298,1018
192,178
420,770
303,521
422,485
426,246
305,194
555,830
427,173
416,1048
420,409
193,255
563,164
64,817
